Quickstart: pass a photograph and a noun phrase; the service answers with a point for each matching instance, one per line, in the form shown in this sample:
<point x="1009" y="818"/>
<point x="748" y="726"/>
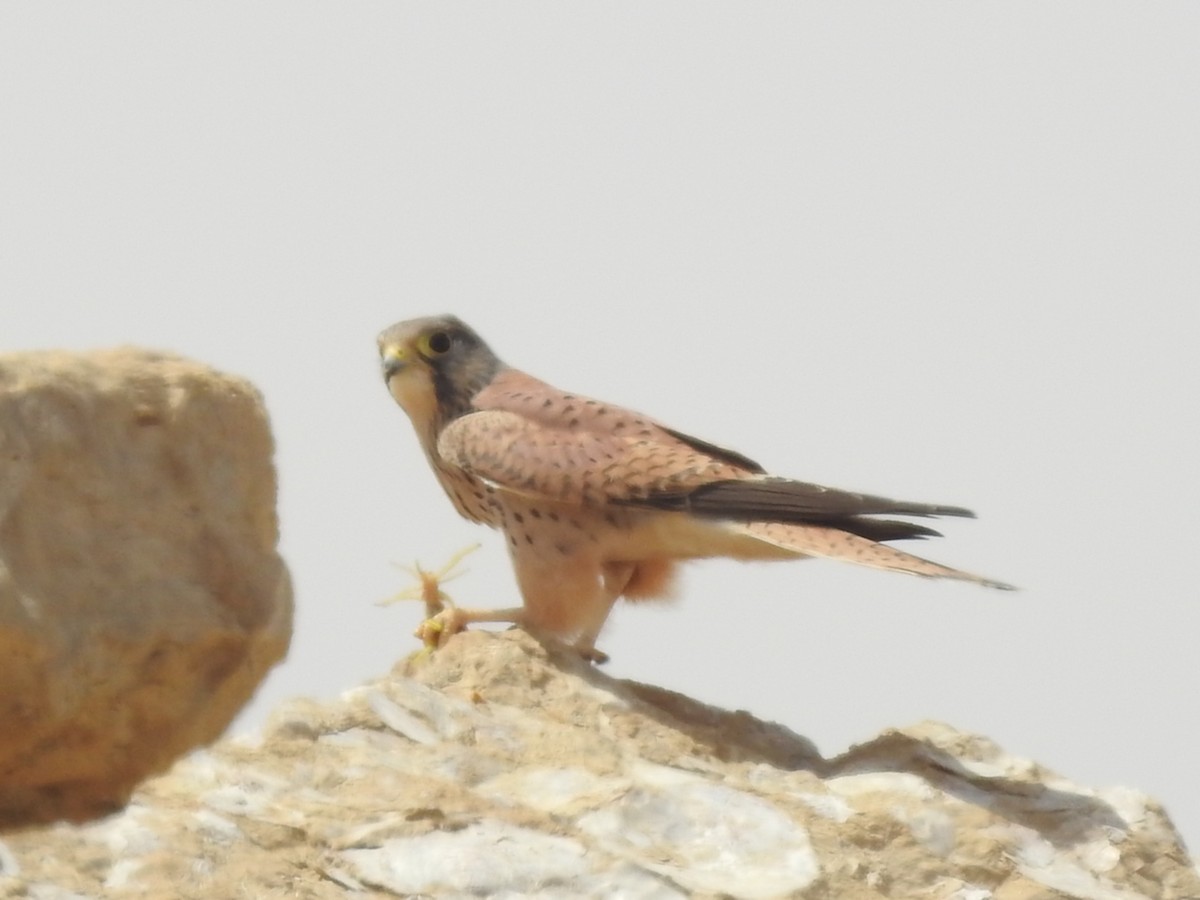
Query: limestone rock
<point x="498" y="767"/>
<point x="141" y="596"/>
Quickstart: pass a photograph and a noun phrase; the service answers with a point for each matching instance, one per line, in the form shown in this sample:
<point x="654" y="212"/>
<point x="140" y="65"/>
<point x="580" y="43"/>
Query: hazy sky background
<point x="945" y="252"/>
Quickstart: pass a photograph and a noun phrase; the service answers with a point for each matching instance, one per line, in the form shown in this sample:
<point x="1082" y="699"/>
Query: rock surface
<point x="141" y="596"/>
<point x="498" y="767"/>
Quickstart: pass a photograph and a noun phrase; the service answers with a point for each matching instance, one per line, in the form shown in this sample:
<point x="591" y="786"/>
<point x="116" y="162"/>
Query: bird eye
<point x="437" y="343"/>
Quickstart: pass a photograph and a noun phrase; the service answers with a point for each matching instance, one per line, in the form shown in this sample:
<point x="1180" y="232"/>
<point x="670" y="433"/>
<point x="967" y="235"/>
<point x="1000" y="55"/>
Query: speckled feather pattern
<point x="539" y="441"/>
<point x="596" y="501"/>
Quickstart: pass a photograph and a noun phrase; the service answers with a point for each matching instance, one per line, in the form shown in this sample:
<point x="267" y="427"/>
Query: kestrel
<point x="599" y="502"/>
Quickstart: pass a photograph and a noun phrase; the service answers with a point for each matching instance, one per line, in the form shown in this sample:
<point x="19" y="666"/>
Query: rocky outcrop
<point x="499" y="767"/>
<point x="141" y="596"/>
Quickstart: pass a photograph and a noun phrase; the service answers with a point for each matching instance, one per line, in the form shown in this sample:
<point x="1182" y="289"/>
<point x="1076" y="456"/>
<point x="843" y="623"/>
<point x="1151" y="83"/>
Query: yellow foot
<point x="429" y="585"/>
<point x="439" y="628"/>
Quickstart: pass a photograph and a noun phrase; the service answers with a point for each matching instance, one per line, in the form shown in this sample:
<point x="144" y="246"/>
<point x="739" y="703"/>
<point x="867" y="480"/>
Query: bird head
<point x="434" y="366"/>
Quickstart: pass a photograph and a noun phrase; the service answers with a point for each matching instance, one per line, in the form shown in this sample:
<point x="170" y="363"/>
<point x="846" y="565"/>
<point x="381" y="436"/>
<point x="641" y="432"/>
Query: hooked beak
<point x="392" y="359"/>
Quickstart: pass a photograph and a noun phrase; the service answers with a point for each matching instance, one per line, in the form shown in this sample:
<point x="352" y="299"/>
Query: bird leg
<point x="615" y="577"/>
<point x="435" y="631"/>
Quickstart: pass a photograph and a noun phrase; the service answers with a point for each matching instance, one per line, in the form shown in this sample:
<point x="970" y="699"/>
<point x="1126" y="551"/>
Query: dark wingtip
<point x="882" y="529"/>
<point x="919" y="531"/>
<point x="959" y="511"/>
<point x="911" y="529"/>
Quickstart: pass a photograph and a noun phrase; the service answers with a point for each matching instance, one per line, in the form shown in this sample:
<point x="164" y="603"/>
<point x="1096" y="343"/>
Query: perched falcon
<point x="599" y="502"/>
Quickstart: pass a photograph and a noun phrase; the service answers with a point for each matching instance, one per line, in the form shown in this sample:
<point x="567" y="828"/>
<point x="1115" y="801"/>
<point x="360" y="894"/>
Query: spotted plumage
<point x="599" y="502"/>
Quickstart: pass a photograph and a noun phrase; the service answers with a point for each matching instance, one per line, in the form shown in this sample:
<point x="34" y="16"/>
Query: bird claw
<point x="439" y="628"/>
<point x="444" y="619"/>
<point x="592" y="655"/>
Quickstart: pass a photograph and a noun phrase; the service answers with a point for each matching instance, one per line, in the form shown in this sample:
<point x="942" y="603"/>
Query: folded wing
<point x="648" y="466"/>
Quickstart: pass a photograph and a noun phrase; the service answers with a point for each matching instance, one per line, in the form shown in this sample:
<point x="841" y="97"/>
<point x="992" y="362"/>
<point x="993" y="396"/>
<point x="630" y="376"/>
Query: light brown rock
<point x="141" y="596"/>
<point x="499" y="767"/>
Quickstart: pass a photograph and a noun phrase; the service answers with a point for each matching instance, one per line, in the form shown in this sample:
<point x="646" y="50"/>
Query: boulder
<point x="142" y="599"/>
<point x="497" y="766"/>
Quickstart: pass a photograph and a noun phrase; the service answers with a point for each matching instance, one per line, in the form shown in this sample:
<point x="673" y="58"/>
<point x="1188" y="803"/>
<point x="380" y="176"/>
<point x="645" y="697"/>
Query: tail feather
<point x="833" y="543"/>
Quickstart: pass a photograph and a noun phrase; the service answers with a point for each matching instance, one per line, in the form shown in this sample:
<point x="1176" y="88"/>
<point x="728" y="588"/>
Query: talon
<point x="437" y="629"/>
<point x="594" y="656"/>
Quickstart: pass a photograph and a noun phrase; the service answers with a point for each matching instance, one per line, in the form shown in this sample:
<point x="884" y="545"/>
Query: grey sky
<point x="945" y="252"/>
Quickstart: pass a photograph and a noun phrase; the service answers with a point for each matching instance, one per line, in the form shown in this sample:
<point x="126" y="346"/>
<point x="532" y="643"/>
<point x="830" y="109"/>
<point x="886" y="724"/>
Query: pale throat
<point x="413" y="390"/>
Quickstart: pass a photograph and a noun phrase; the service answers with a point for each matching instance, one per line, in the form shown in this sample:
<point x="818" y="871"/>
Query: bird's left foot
<point x="443" y="617"/>
<point x="436" y="630"/>
<point x="439" y="628"/>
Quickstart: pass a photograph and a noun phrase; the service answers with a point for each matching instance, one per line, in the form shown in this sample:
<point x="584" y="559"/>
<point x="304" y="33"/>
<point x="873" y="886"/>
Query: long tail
<point x="833" y="543"/>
